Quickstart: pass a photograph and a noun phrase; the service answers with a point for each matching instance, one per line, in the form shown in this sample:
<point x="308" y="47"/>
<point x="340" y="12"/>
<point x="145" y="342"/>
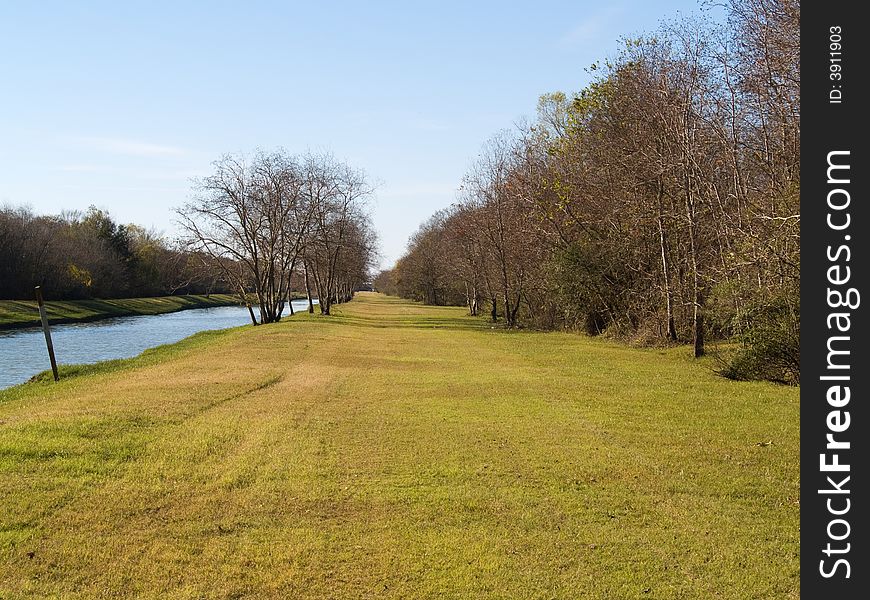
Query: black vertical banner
<point x="835" y="373"/>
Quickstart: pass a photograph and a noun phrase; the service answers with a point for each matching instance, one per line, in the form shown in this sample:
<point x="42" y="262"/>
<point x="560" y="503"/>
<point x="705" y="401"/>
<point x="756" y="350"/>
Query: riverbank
<point x="17" y="314"/>
<point x="396" y="450"/>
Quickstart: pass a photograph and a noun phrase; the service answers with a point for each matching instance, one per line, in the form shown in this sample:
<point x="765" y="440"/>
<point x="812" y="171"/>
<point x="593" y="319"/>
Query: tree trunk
<point x="699" y="326"/>
<point x="697" y="295"/>
<point x="666" y="269"/>
<point x="514" y="310"/>
<point x="308" y="292"/>
<point x="468" y="300"/>
<point x="475" y="301"/>
<point x="244" y="296"/>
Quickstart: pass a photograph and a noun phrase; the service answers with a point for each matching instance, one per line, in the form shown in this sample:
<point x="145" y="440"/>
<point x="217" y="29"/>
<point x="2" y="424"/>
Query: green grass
<point x="399" y="451"/>
<point x="24" y="313"/>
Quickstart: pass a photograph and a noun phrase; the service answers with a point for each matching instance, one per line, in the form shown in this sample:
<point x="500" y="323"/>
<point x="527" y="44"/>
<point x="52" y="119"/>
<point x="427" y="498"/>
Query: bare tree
<point x="241" y="216"/>
<point x="340" y="231"/>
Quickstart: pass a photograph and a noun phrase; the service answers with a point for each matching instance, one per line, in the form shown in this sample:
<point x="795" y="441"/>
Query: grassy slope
<point x="24" y="313"/>
<point x="400" y="451"/>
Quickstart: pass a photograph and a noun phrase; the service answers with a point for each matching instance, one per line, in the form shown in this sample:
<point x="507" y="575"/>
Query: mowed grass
<point x="25" y="313"/>
<point x="399" y="451"/>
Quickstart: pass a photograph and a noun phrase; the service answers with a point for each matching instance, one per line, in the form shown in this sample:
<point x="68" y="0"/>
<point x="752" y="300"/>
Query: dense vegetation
<point x="398" y="450"/>
<point x="89" y="255"/>
<point x="660" y="203"/>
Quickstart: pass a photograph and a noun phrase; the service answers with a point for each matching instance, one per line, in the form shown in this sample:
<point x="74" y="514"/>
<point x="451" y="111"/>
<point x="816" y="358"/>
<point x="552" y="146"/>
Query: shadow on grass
<point x="411" y="322"/>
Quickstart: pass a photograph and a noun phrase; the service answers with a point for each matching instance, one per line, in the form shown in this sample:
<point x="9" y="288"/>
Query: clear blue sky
<point x="119" y="104"/>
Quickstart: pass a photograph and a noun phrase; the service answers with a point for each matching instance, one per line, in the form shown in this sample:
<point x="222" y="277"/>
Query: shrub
<point x="770" y="343"/>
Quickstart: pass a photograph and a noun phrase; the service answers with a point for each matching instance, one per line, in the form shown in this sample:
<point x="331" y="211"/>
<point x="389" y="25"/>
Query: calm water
<point x="23" y="353"/>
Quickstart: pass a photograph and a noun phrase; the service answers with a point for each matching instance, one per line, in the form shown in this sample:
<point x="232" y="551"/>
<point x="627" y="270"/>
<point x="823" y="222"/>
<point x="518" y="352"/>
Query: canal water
<point x="23" y="353"/>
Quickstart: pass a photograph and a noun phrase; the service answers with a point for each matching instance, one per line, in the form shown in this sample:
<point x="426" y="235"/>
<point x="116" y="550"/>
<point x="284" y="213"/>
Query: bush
<point x="770" y="344"/>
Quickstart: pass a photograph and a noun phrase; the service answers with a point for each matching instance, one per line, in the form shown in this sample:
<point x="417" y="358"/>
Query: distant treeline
<point x="264" y="227"/>
<point x="660" y="203"/>
<point x="88" y="255"/>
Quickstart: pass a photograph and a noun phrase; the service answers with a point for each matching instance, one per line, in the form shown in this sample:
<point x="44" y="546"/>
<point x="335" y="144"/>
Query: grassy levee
<point x="399" y="451"/>
<point x="15" y="314"/>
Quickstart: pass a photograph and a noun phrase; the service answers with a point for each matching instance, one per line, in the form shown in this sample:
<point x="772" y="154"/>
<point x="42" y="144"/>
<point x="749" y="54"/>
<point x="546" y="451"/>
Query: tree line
<point x="78" y="255"/>
<point x="659" y="204"/>
<point x="261" y="228"/>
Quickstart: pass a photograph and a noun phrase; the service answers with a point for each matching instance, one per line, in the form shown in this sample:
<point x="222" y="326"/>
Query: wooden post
<point x="46" y="331"/>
